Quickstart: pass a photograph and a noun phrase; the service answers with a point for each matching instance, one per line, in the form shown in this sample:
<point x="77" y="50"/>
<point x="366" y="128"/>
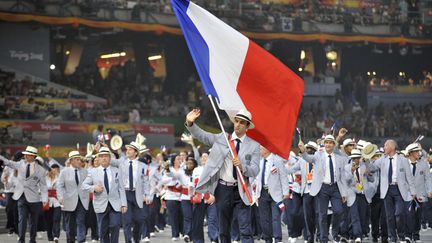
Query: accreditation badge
<point x="309" y="177"/>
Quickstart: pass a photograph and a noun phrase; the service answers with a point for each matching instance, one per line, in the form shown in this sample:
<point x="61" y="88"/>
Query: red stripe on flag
<point x="273" y="94"/>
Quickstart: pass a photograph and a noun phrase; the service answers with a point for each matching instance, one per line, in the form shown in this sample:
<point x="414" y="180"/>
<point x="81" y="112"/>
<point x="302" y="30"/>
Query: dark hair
<point x="193" y="160"/>
<point x="55" y="166"/>
<point x="172" y="158"/>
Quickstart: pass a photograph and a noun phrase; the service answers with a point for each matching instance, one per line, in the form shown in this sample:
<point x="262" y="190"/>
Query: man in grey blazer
<point x="423" y="186"/>
<point x="327" y="185"/>
<point x="136" y="184"/>
<point x="219" y="175"/>
<point x="30" y="191"/>
<point x="74" y="199"/>
<point x="397" y="188"/>
<point x="271" y="188"/>
<point x="109" y="199"/>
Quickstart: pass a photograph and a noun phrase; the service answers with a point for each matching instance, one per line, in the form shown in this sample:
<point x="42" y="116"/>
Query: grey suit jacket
<point x="277" y="183"/>
<point x="69" y="191"/>
<point x="405" y="179"/>
<point x="116" y="196"/>
<point x="34" y="187"/>
<point x="423" y="180"/>
<point x="142" y="185"/>
<point x="366" y="181"/>
<point x="300" y="165"/>
<point x="249" y="157"/>
<point x="319" y="159"/>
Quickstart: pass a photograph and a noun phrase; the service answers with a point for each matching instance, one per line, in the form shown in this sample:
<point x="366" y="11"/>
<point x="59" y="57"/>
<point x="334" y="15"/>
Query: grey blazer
<point x="142" y="185"/>
<point x="249" y="157"/>
<point x="34" y="187"/>
<point x="69" y="191"/>
<point x="277" y="183"/>
<point x="405" y="179"/>
<point x="300" y="165"/>
<point x="116" y="196"/>
<point x="423" y="180"/>
<point x="367" y="182"/>
<point x="319" y="159"/>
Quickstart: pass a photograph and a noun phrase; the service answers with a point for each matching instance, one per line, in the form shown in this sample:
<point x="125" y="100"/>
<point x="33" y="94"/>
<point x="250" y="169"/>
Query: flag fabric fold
<point x="242" y="75"/>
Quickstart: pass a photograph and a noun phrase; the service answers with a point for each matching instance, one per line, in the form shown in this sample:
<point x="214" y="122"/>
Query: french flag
<point x="242" y="75"/>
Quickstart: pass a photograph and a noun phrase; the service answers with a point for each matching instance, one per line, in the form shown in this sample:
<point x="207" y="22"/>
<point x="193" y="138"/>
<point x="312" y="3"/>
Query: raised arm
<point x="205" y="137"/>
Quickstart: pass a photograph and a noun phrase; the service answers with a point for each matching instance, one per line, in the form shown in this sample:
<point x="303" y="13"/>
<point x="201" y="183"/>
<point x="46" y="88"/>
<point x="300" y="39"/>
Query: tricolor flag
<point x="242" y="75"/>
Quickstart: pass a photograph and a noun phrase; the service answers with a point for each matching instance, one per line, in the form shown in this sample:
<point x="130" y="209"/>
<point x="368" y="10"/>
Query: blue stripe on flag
<point x="197" y="46"/>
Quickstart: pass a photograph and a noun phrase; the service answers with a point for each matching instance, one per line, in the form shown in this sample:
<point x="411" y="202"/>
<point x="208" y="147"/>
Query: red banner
<point x="37" y="126"/>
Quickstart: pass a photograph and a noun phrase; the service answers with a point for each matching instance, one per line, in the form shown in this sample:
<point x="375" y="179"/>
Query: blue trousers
<point x="310" y="216"/>
<point x="294" y="215"/>
<point x="52" y="219"/>
<point x="133" y="218"/>
<point x="75" y="223"/>
<point x="358" y="215"/>
<point x="329" y="193"/>
<point x="145" y="226"/>
<point x="174" y="215"/>
<point x="270" y="218"/>
<point x="413" y="223"/>
<point x="109" y="223"/>
<point x="186" y="207"/>
<point x="378" y="218"/>
<point x="395" y="212"/>
<point x="229" y="203"/>
<point x="24" y="209"/>
<point x="199" y="212"/>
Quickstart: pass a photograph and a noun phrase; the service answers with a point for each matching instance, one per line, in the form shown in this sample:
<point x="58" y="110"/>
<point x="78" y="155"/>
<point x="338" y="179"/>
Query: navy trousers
<point x="174" y="214"/>
<point x="24" y="209"/>
<point x="329" y="193"/>
<point x="52" y="219"/>
<point x="75" y="224"/>
<point x="109" y="223"/>
<point x="270" y="218"/>
<point x="133" y="218"/>
<point x="228" y="204"/>
<point x="199" y="212"/>
<point x="378" y="218"/>
<point x="294" y="215"/>
<point x="395" y="212"/>
<point x="414" y="223"/>
<point x="310" y="216"/>
<point x="186" y="207"/>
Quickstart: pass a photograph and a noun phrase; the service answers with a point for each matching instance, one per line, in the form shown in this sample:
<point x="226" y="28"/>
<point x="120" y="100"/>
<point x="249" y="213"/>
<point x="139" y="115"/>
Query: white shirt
<point x="394" y="166"/>
<point x="327" y="179"/>
<point x="226" y="171"/>
<point x="267" y="169"/>
<point x="134" y="174"/>
<point x="108" y="171"/>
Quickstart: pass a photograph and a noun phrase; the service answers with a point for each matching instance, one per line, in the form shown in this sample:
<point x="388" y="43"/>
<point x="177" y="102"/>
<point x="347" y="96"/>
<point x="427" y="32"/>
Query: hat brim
<point x="102" y="153"/>
<point x="143" y="151"/>
<point x="132" y="147"/>
<point x="251" y="125"/>
<point x="76" y="156"/>
<point x="372" y="154"/>
<point x="29" y="153"/>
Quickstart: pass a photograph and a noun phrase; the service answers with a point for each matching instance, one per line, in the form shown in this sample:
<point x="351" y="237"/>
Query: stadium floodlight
<point x="117" y="54"/>
<point x="155" y="57"/>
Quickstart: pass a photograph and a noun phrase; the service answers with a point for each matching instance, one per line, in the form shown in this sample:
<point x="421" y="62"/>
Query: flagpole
<point x="239" y="174"/>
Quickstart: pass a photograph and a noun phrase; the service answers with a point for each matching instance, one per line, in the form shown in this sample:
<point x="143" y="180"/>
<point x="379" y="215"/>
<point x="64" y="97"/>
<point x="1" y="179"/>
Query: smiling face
<point x="131" y="153"/>
<point x="329" y="146"/>
<point x="29" y="158"/>
<point x="240" y="126"/>
<point x="75" y="162"/>
<point x="104" y="160"/>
